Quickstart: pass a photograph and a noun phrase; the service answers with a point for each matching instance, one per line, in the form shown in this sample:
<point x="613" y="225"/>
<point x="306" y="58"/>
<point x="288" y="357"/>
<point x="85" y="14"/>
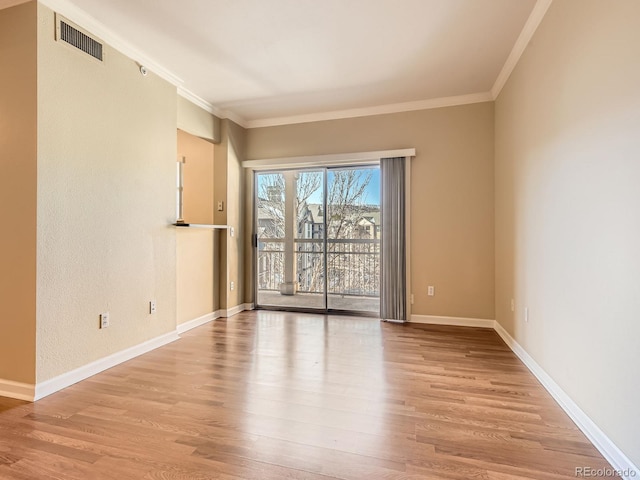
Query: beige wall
<point x="451" y="193"/>
<point x="106" y="198"/>
<point x="229" y="188"/>
<point x="197" y="121"/>
<point x="567" y="197"/>
<point x="235" y="213"/>
<point x="196" y="248"/>
<point x="197" y="178"/>
<point x="196" y="264"/>
<point x="18" y="119"/>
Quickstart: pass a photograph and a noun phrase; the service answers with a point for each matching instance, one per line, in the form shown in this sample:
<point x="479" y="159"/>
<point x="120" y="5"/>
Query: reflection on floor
<point x="270" y="395"/>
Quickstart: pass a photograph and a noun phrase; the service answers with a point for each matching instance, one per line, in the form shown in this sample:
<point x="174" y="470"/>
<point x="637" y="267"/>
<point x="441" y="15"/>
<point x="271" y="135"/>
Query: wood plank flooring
<point x="269" y="395"/>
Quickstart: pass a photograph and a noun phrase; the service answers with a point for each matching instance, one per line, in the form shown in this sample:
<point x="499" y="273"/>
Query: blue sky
<point x="372" y="195"/>
<point x="372" y="192"/>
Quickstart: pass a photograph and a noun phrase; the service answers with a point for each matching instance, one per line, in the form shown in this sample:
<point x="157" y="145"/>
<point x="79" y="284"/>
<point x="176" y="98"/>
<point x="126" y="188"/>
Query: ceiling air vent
<point x="70" y="34"/>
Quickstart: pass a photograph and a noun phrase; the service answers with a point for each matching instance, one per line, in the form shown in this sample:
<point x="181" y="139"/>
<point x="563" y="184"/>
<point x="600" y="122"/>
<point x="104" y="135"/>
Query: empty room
<point x="304" y="239"/>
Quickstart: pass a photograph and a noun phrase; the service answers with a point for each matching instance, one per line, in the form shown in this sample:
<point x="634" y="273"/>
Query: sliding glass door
<point x="318" y="239"/>
<point x="353" y="239"/>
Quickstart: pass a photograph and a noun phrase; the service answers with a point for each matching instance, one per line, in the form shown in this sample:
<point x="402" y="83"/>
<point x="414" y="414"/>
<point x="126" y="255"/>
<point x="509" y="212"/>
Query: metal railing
<point x="352" y="266"/>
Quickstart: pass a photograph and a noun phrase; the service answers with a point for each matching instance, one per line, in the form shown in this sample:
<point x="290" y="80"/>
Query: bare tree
<point x="346" y="207"/>
<point x="345" y="200"/>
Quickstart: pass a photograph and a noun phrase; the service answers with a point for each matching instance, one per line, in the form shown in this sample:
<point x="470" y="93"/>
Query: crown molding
<point x="376" y="110"/>
<point x="199" y="101"/>
<point x="212" y="109"/>
<point x="86" y="21"/>
<point x="531" y="25"/>
<point x="234" y="118"/>
<point x="89" y="23"/>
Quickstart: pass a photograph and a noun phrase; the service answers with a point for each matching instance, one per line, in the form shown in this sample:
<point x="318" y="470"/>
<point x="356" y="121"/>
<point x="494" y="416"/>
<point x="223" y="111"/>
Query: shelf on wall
<point x="201" y="225"/>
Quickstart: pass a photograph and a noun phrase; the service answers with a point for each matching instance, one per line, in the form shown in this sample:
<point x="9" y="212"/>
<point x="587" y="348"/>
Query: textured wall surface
<point x="567" y="196"/>
<point x="451" y="193"/>
<point x="18" y="110"/>
<point x="106" y="197"/>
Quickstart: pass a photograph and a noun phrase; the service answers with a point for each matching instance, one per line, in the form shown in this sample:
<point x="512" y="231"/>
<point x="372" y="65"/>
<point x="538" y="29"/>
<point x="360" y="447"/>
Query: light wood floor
<point x="267" y="395"/>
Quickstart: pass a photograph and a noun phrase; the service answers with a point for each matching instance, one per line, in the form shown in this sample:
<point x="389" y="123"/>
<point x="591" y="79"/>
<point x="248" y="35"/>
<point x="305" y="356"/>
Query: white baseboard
<point x="17" y="390"/>
<point x="454" y="321"/>
<point x="196" y="322"/>
<point x="74" y="376"/>
<point x="43" y="389"/>
<point x="618" y="460"/>
<point x="209" y="317"/>
<point x="237" y="309"/>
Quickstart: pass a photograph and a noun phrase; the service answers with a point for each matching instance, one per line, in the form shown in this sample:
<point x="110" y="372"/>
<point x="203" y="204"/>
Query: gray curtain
<point x="393" y="278"/>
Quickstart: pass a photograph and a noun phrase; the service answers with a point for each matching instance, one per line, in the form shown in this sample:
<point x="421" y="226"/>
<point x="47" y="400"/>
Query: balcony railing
<point x="352" y="266"/>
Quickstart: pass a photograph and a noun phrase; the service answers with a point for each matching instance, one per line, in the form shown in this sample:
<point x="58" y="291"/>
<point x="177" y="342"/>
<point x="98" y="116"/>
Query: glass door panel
<point x="309" y="238"/>
<point x="270" y="230"/>
<point x="353" y="239"/>
<point x="290" y="239"/>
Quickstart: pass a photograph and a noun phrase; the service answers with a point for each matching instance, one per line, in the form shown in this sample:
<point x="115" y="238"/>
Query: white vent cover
<point x="71" y="34"/>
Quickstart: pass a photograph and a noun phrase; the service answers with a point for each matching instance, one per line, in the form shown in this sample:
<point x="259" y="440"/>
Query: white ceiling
<point x="261" y="60"/>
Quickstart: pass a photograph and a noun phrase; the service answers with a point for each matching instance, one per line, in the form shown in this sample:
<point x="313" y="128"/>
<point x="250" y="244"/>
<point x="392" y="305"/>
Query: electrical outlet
<point x="104" y="320"/>
<point x="513" y="305"/>
<point x="152" y="307"/>
<point x="232" y="286"/>
<point x="431" y="290"/>
<point x="412" y="299"/>
<point x="232" y="232"/>
<point x="526" y="314"/>
<point x="220" y="206"/>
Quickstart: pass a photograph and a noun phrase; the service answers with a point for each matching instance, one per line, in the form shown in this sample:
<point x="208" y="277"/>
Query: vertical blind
<point x="393" y="281"/>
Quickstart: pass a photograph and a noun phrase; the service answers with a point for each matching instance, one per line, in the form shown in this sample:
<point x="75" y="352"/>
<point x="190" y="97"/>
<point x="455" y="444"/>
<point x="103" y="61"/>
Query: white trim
<point x="89" y="23"/>
<point x="55" y="384"/>
<point x="618" y="460"/>
<point x="332" y="159"/>
<point x="209" y="317"/>
<point x="31" y="393"/>
<point x="97" y="28"/>
<point x="375" y="110"/>
<point x="198" y="101"/>
<point x="530" y="27"/>
<point x="453" y="321"/>
<point x="196" y="322"/>
<point x="17" y="390"/>
<point x="208" y="107"/>
<point x="235" y="310"/>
